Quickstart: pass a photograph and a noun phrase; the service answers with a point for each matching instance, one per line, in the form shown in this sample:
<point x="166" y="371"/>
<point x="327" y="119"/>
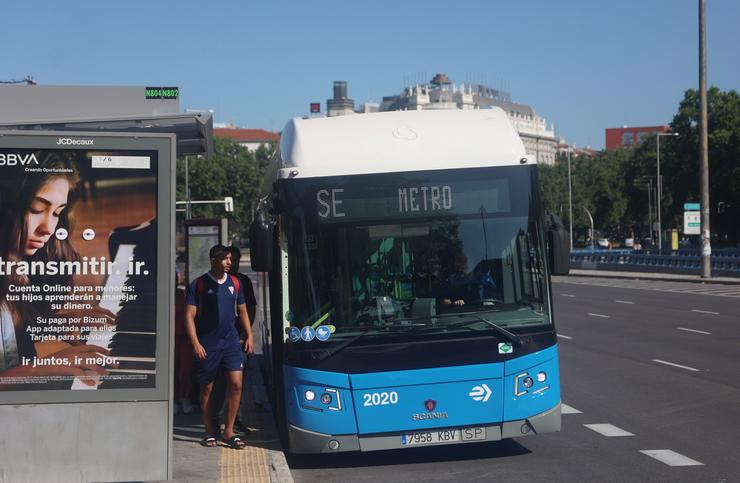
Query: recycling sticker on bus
<point x="505" y="348"/>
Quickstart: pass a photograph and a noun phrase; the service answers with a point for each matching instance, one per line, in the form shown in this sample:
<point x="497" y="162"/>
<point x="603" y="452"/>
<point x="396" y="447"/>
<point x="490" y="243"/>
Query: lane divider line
<point x="694" y="330"/>
<point x="599" y="315"/>
<point x="671" y="458"/>
<point x="705" y="312"/>
<point x="565" y="336"/>
<point x="568" y="295"/>
<point x="624" y="302"/>
<point x="676" y="365"/>
<point x="565" y="409"/>
<point x="608" y="430"/>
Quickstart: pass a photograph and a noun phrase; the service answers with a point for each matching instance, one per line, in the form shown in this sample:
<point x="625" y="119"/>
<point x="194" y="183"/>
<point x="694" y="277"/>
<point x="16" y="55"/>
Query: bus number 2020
<point x="380" y="398"/>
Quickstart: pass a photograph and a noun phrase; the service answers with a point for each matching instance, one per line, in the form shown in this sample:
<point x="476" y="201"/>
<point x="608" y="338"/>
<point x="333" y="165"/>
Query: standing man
<point x="255" y="379"/>
<point x="212" y="301"/>
<point x="219" y="387"/>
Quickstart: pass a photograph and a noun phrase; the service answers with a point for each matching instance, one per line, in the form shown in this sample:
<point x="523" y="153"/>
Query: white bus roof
<point x="397" y="141"/>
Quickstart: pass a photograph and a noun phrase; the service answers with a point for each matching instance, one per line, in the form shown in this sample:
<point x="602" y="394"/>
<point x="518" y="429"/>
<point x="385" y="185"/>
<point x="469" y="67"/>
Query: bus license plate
<point x="422" y="438"/>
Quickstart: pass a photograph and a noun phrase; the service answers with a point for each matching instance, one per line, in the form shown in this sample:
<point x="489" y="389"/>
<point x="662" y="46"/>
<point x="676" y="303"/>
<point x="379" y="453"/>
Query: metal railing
<point x="725" y="261"/>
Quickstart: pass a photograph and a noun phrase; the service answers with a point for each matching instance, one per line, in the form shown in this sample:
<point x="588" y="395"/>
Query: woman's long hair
<point x="16" y="196"/>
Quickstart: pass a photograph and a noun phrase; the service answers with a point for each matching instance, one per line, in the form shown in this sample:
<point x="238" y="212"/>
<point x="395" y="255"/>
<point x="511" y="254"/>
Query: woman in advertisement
<point x="35" y="204"/>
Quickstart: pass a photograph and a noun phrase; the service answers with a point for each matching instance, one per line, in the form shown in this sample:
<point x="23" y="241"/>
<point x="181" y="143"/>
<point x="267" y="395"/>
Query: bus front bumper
<point x="305" y="441"/>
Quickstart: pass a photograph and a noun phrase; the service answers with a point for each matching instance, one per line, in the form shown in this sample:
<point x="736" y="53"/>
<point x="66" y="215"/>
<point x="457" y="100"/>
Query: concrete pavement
<point x="262" y="461"/>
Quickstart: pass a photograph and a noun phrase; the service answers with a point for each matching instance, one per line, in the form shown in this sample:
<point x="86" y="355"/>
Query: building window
<point x="628" y="138"/>
<point x="642" y="135"/>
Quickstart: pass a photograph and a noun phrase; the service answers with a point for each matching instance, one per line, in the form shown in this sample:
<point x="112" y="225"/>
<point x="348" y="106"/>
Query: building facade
<point x="539" y="139"/>
<point x="627" y="137"/>
<point x="251" y="139"/>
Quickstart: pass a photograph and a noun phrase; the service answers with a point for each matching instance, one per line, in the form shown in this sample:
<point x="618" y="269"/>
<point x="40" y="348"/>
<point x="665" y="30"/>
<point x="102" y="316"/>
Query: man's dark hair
<point x="218" y="252"/>
<point x="235" y="253"/>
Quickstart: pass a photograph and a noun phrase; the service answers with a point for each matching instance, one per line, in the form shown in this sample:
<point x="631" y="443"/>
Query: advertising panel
<point x="79" y="265"/>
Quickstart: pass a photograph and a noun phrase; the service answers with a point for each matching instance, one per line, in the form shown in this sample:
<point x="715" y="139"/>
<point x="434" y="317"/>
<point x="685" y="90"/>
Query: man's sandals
<point x="235" y="442"/>
<point x="209" y="441"/>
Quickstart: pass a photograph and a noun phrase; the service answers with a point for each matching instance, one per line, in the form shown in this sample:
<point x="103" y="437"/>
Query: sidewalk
<point x="653" y="276"/>
<point x="262" y="461"/>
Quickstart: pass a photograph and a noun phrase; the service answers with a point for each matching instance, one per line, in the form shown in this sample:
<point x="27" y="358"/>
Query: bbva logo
<point x="12" y="159"/>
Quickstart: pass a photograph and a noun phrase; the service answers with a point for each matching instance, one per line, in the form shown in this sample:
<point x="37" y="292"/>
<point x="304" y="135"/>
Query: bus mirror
<point x="261" y="244"/>
<point x="558" y="244"/>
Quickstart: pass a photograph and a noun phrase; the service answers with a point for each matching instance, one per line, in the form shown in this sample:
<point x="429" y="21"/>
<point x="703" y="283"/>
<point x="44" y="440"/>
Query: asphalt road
<point x="651" y="383"/>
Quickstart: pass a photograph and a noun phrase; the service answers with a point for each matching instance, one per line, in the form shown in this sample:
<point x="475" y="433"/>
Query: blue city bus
<point x="409" y="261"/>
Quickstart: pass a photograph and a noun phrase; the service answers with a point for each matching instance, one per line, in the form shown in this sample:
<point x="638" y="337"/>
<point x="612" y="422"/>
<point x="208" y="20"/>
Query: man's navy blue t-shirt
<point x="214" y="322"/>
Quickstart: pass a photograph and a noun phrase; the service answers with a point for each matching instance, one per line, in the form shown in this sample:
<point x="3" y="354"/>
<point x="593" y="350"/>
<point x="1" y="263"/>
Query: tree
<point x="613" y="185"/>
<point x="682" y="163"/>
<point x="231" y="171"/>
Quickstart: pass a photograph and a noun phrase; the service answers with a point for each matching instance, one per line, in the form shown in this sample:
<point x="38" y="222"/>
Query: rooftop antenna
<point x="28" y="80"/>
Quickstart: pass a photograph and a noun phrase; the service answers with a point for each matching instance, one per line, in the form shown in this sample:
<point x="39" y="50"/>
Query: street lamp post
<point x="660" y="186"/>
<point x="591" y="219"/>
<point x="570" y="203"/>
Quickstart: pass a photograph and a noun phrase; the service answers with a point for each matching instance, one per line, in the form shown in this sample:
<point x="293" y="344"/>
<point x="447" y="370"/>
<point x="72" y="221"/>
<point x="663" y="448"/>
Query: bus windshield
<point x="418" y="254"/>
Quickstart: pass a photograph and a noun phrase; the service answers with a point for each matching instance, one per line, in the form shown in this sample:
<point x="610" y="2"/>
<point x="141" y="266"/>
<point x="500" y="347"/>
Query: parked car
<point x="603" y="243"/>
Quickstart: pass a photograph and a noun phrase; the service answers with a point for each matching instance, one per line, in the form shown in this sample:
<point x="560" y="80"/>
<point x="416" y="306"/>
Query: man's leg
<point x="217" y="400"/>
<point x="205" y="372"/>
<point x="233" y="397"/>
<point x="205" y="407"/>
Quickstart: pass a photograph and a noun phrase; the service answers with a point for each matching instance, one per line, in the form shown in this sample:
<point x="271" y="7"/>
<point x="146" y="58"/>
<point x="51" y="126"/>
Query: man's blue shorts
<point x="229" y="358"/>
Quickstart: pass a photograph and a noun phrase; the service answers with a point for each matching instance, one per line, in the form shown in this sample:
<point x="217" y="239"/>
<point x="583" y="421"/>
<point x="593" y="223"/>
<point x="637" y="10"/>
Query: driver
<point x="478" y="287"/>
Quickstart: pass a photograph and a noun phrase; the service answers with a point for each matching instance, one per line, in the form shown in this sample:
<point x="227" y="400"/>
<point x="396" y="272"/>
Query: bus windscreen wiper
<point x="341" y="346"/>
<point x="512" y="337"/>
<point x="393" y="327"/>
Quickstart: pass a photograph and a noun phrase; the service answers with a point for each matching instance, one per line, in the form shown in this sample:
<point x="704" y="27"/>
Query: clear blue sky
<point x="584" y="64"/>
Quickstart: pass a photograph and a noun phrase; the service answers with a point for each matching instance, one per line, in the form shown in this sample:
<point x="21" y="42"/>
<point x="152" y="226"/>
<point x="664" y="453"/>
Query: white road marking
<point x="694" y="330"/>
<point x="598" y="315"/>
<point x="676" y="365"/>
<point x="671" y="458"/>
<point x="704" y="312"/>
<point x="608" y="430"/>
<point x="624" y="302"/>
<point x="568" y="295"/>
<point x="565" y="409"/>
<point x="565" y="336"/>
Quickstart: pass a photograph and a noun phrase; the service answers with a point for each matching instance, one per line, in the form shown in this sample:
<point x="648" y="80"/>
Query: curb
<point x="278" y="468"/>
<point x="668" y="277"/>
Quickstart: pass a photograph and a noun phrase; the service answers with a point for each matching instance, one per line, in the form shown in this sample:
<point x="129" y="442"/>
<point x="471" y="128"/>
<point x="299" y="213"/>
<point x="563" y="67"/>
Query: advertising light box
<point x="85" y="267"/>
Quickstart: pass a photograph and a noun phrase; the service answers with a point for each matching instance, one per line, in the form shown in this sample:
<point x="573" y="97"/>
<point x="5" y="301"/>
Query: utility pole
<point x="650" y="208"/>
<point x="570" y="204"/>
<point x="706" y="245"/>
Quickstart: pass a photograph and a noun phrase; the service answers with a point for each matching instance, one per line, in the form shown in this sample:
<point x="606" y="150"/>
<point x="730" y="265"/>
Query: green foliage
<point x="613" y="185"/>
<point x="231" y="171"/>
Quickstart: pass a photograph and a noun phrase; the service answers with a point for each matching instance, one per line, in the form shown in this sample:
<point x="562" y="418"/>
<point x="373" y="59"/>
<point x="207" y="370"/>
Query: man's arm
<point x="198" y="350"/>
<point x="249" y="298"/>
<point x="252" y="312"/>
<point x="244" y="319"/>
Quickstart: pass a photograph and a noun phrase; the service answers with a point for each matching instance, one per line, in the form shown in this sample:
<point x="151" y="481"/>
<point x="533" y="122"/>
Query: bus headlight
<point x="326" y="398"/>
<point x="541" y="376"/>
<point x="527" y="382"/>
<point x="309" y="395"/>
